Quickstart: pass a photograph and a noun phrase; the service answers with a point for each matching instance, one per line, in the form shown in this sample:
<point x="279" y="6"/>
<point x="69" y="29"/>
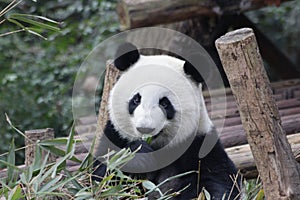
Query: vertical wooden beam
<point x="32" y="137"/>
<point x="278" y="169"/>
<point x="111" y="76"/>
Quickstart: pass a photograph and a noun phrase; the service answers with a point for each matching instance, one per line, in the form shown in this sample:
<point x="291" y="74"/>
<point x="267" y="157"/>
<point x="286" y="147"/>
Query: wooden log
<point x="244" y="161"/>
<point x="140" y="13"/>
<point x="279" y="171"/>
<point x="282" y="104"/>
<point x="32" y="137"/>
<point x="280" y="86"/>
<point x="235" y="135"/>
<point x="111" y="76"/>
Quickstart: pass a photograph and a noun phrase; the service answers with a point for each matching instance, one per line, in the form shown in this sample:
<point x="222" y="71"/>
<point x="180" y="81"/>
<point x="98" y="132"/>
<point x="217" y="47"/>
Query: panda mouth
<point x="145" y="137"/>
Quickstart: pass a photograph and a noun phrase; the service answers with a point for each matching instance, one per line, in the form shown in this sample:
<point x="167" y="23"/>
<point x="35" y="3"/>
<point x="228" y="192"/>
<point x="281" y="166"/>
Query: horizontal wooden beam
<point x="244" y="161"/>
<point x="141" y="13"/>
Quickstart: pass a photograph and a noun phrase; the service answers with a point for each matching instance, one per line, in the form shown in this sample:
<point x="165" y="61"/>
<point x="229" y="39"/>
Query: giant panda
<point x="161" y="96"/>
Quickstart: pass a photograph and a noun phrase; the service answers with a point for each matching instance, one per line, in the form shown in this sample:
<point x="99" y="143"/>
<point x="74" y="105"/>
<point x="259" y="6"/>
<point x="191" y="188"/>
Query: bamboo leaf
<point x="88" y="159"/>
<point x="57" y="142"/>
<point x="23" y="18"/>
<point x="151" y="186"/>
<point x="35" y="33"/>
<point x="207" y="195"/>
<point x="15" y="193"/>
<point x="52" y="183"/>
<point x="70" y="142"/>
<point x="260" y="195"/>
<point x="59" y="152"/>
<point x="74" y="181"/>
<point x="37" y="156"/>
<point x="16" y="23"/>
<point x="169" y="179"/>
<point x="11" y="161"/>
<point x="37" y="17"/>
<point x="61" y="184"/>
<point x="11" y="125"/>
<point x="10" y="165"/>
<point x="54" y="142"/>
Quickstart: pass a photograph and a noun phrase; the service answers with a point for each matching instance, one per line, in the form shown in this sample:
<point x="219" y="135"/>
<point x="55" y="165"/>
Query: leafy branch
<point x="33" y="24"/>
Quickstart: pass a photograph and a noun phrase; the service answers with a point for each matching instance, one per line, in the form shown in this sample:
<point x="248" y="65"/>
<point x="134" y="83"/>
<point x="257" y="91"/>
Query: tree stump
<point x="32" y="137"/>
<point x="277" y="167"/>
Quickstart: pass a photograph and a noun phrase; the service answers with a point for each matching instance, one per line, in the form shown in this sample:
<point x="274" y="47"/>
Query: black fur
<point x="127" y="54"/>
<point x="114" y="137"/>
<point x="215" y="168"/>
<point x="134" y="103"/>
<point x="167" y="107"/>
<point x="191" y="70"/>
<point x="215" y="171"/>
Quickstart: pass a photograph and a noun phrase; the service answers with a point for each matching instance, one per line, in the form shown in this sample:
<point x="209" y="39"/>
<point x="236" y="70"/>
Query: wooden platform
<point x="287" y="95"/>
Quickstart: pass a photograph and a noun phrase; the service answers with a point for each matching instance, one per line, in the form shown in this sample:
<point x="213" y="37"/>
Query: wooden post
<point x="111" y="76"/>
<point x="277" y="167"/>
<point x="32" y="137"/>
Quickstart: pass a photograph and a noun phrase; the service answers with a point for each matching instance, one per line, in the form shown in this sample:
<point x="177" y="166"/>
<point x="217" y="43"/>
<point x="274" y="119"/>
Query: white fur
<point x="155" y="77"/>
<point x="149" y="114"/>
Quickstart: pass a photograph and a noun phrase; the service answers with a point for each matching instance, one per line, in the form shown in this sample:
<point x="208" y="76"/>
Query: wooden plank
<point x="235" y="135"/>
<point x="141" y="13"/>
<point x="278" y="87"/>
<point x="244" y="161"/>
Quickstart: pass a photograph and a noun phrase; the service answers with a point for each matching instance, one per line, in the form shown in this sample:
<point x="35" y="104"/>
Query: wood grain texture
<point x="32" y="137"/>
<point x="142" y="13"/>
<point x="278" y="169"/>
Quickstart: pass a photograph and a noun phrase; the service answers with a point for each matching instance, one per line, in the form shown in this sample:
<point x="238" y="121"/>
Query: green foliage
<point x="253" y="190"/>
<point x="41" y="180"/>
<point x="37" y="75"/>
<point x="22" y="20"/>
<point x="282" y="25"/>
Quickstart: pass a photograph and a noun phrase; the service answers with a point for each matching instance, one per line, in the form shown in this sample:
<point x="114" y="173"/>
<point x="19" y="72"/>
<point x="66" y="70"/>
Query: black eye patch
<point x="167" y="107"/>
<point x="134" y="103"/>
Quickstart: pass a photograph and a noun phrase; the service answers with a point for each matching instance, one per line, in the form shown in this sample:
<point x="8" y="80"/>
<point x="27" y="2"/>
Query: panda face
<point x="158" y="96"/>
<point x="155" y="97"/>
<point x="151" y="109"/>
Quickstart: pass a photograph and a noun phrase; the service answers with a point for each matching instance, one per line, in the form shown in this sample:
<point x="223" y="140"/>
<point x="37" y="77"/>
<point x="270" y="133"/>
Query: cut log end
<point x="235" y="36"/>
<point x="32" y="137"/>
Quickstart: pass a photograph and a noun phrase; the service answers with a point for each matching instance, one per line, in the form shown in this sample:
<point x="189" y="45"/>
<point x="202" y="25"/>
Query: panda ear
<point x="191" y="70"/>
<point x="126" y="55"/>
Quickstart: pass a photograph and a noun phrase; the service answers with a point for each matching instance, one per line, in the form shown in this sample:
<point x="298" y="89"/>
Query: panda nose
<point x="145" y="130"/>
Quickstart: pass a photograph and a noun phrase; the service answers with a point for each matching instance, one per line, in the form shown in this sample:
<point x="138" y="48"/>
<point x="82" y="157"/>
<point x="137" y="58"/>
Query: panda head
<point x="158" y="96"/>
